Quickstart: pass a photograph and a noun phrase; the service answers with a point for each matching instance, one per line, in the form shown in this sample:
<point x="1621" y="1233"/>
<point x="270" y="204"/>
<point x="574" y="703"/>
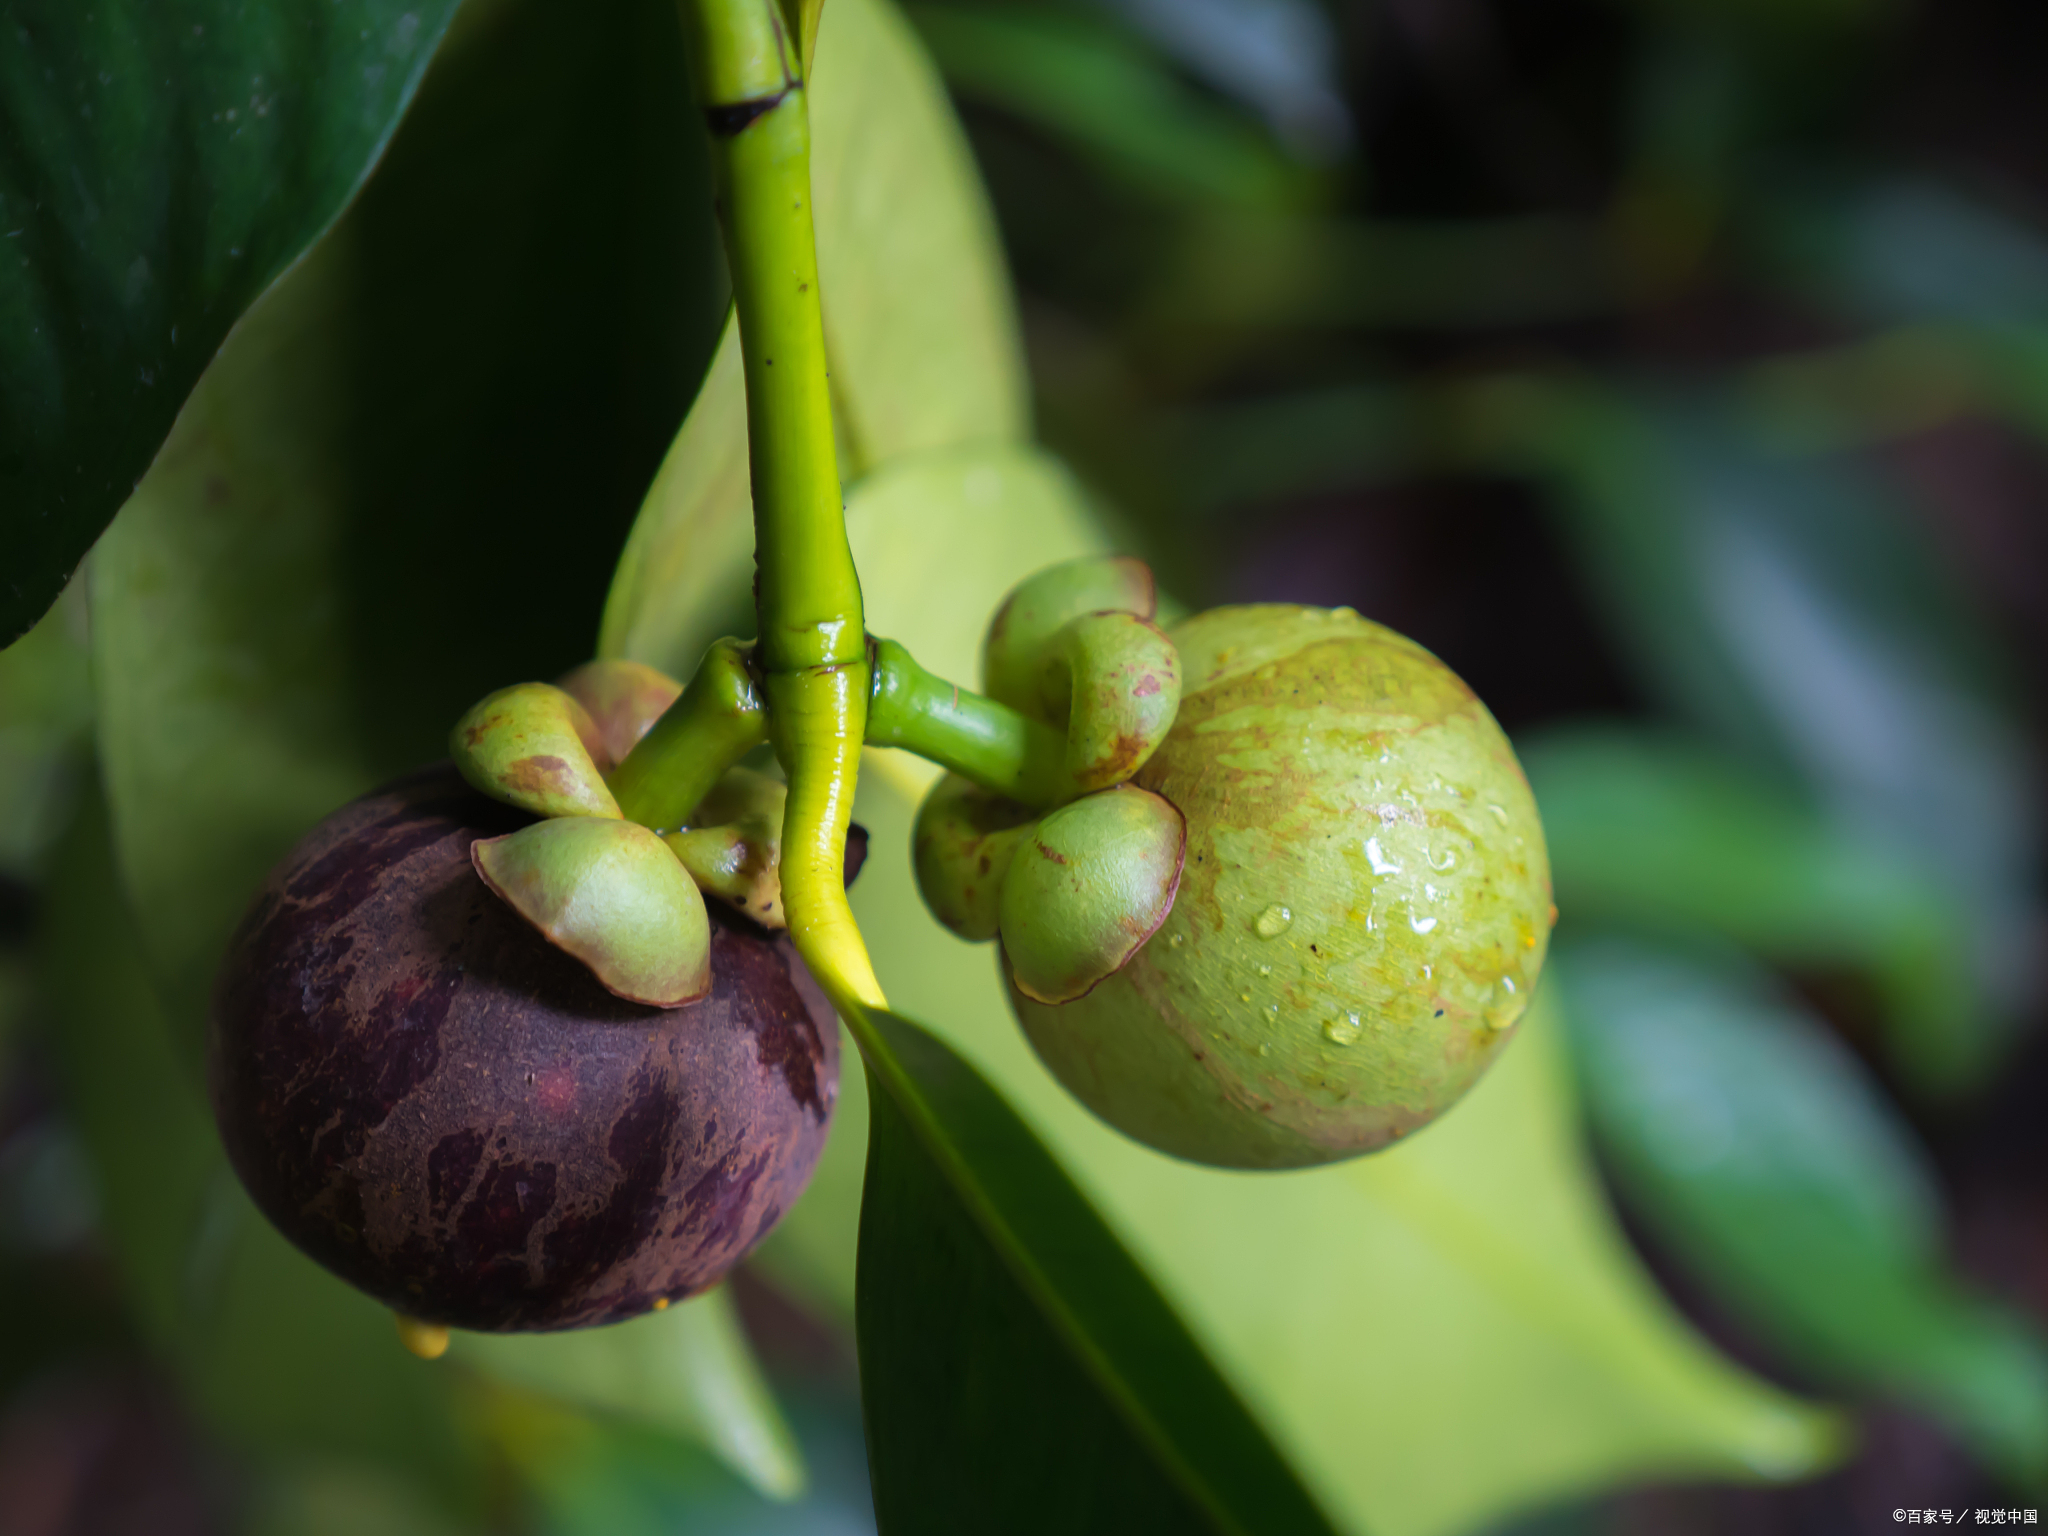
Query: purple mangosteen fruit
<point x="454" y="1116"/>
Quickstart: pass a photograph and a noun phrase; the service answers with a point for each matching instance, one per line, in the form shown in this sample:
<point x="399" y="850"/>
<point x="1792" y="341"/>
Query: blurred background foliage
<point x="1675" y="369"/>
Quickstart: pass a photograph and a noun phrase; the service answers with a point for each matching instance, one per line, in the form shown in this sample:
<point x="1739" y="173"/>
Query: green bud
<point x="1361" y="917"/>
<point x="1087" y="887"/>
<point x="532" y="745"/>
<point x="623" y="698"/>
<point x="611" y="894"/>
<point x="1020" y="637"/>
<point x="735" y="851"/>
<point x="965" y="839"/>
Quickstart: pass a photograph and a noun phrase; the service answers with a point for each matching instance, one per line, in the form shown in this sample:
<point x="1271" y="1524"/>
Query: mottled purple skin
<point x="453" y="1116"/>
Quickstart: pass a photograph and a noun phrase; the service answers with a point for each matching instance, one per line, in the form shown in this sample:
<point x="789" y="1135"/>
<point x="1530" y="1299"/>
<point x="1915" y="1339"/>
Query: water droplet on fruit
<point x="1176" y="941"/>
<point x="1265" y="1049"/>
<point x="1422" y="924"/>
<point x="1265" y="970"/>
<point x="1343" y="1031"/>
<point x="1244" y="997"/>
<point x="1381" y="864"/>
<point x="1272" y="922"/>
<point x="1504" y="1007"/>
<point x="1272" y="1017"/>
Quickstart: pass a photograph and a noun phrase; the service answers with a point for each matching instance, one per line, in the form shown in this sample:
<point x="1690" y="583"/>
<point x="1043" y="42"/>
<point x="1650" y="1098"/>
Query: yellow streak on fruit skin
<point x="427" y="1340"/>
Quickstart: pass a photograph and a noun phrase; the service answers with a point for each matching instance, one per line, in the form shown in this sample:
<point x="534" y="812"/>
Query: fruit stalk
<point x="983" y="741"/>
<point x="812" y="649"/>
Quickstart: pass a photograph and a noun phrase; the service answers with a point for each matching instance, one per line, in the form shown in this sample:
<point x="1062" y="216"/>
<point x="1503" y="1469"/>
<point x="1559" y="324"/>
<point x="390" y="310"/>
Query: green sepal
<point x="1024" y="630"/>
<point x="624" y="699"/>
<point x="1120" y="678"/>
<point x="1090" y="884"/>
<point x="736" y="852"/>
<point x="532" y="745"/>
<point x="611" y="894"/>
<point x="965" y="839"/>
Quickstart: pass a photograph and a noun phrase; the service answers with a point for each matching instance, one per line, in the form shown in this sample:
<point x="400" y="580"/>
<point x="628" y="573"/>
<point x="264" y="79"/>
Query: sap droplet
<point x="1244" y="997"/>
<point x="1272" y="922"/>
<point x="1343" y="1031"/>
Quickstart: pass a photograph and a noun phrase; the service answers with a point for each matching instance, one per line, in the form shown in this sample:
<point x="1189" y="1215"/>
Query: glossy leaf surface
<point x="160" y="165"/>
<point x="1760" y="1149"/>
<point x="1019" y="1371"/>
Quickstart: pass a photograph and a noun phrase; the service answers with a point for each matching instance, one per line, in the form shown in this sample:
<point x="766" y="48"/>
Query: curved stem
<point x="987" y="743"/>
<point x="812" y="651"/>
<point x="719" y="719"/>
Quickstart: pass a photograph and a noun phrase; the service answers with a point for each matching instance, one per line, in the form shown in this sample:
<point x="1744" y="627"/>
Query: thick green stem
<point x="987" y="743"/>
<point x="719" y="719"/>
<point x="812" y="651"/>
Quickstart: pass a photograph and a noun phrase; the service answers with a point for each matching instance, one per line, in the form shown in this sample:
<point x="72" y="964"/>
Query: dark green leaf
<point x="161" y="162"/>
<point x="1758" y="1147"/>
<point x="1019" y="1370"/>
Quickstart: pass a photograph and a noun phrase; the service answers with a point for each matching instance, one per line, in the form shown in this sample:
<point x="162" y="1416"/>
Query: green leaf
<point x="1431" y="1336"/>
<point x="45" y="726"/>
<point x="682" y="577"/>
<point x="686" y="1371"/>
<point x="358" y="526"/>
<point x="1759" y="1148"/>
<point x="918" y="326"/>
<point x="1019" y="1372"/>
<point x="161" y="163"/>
<point x="1113" y="101"/>
<point x="919" y="322"/>
<point x="1656" y="831"/>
